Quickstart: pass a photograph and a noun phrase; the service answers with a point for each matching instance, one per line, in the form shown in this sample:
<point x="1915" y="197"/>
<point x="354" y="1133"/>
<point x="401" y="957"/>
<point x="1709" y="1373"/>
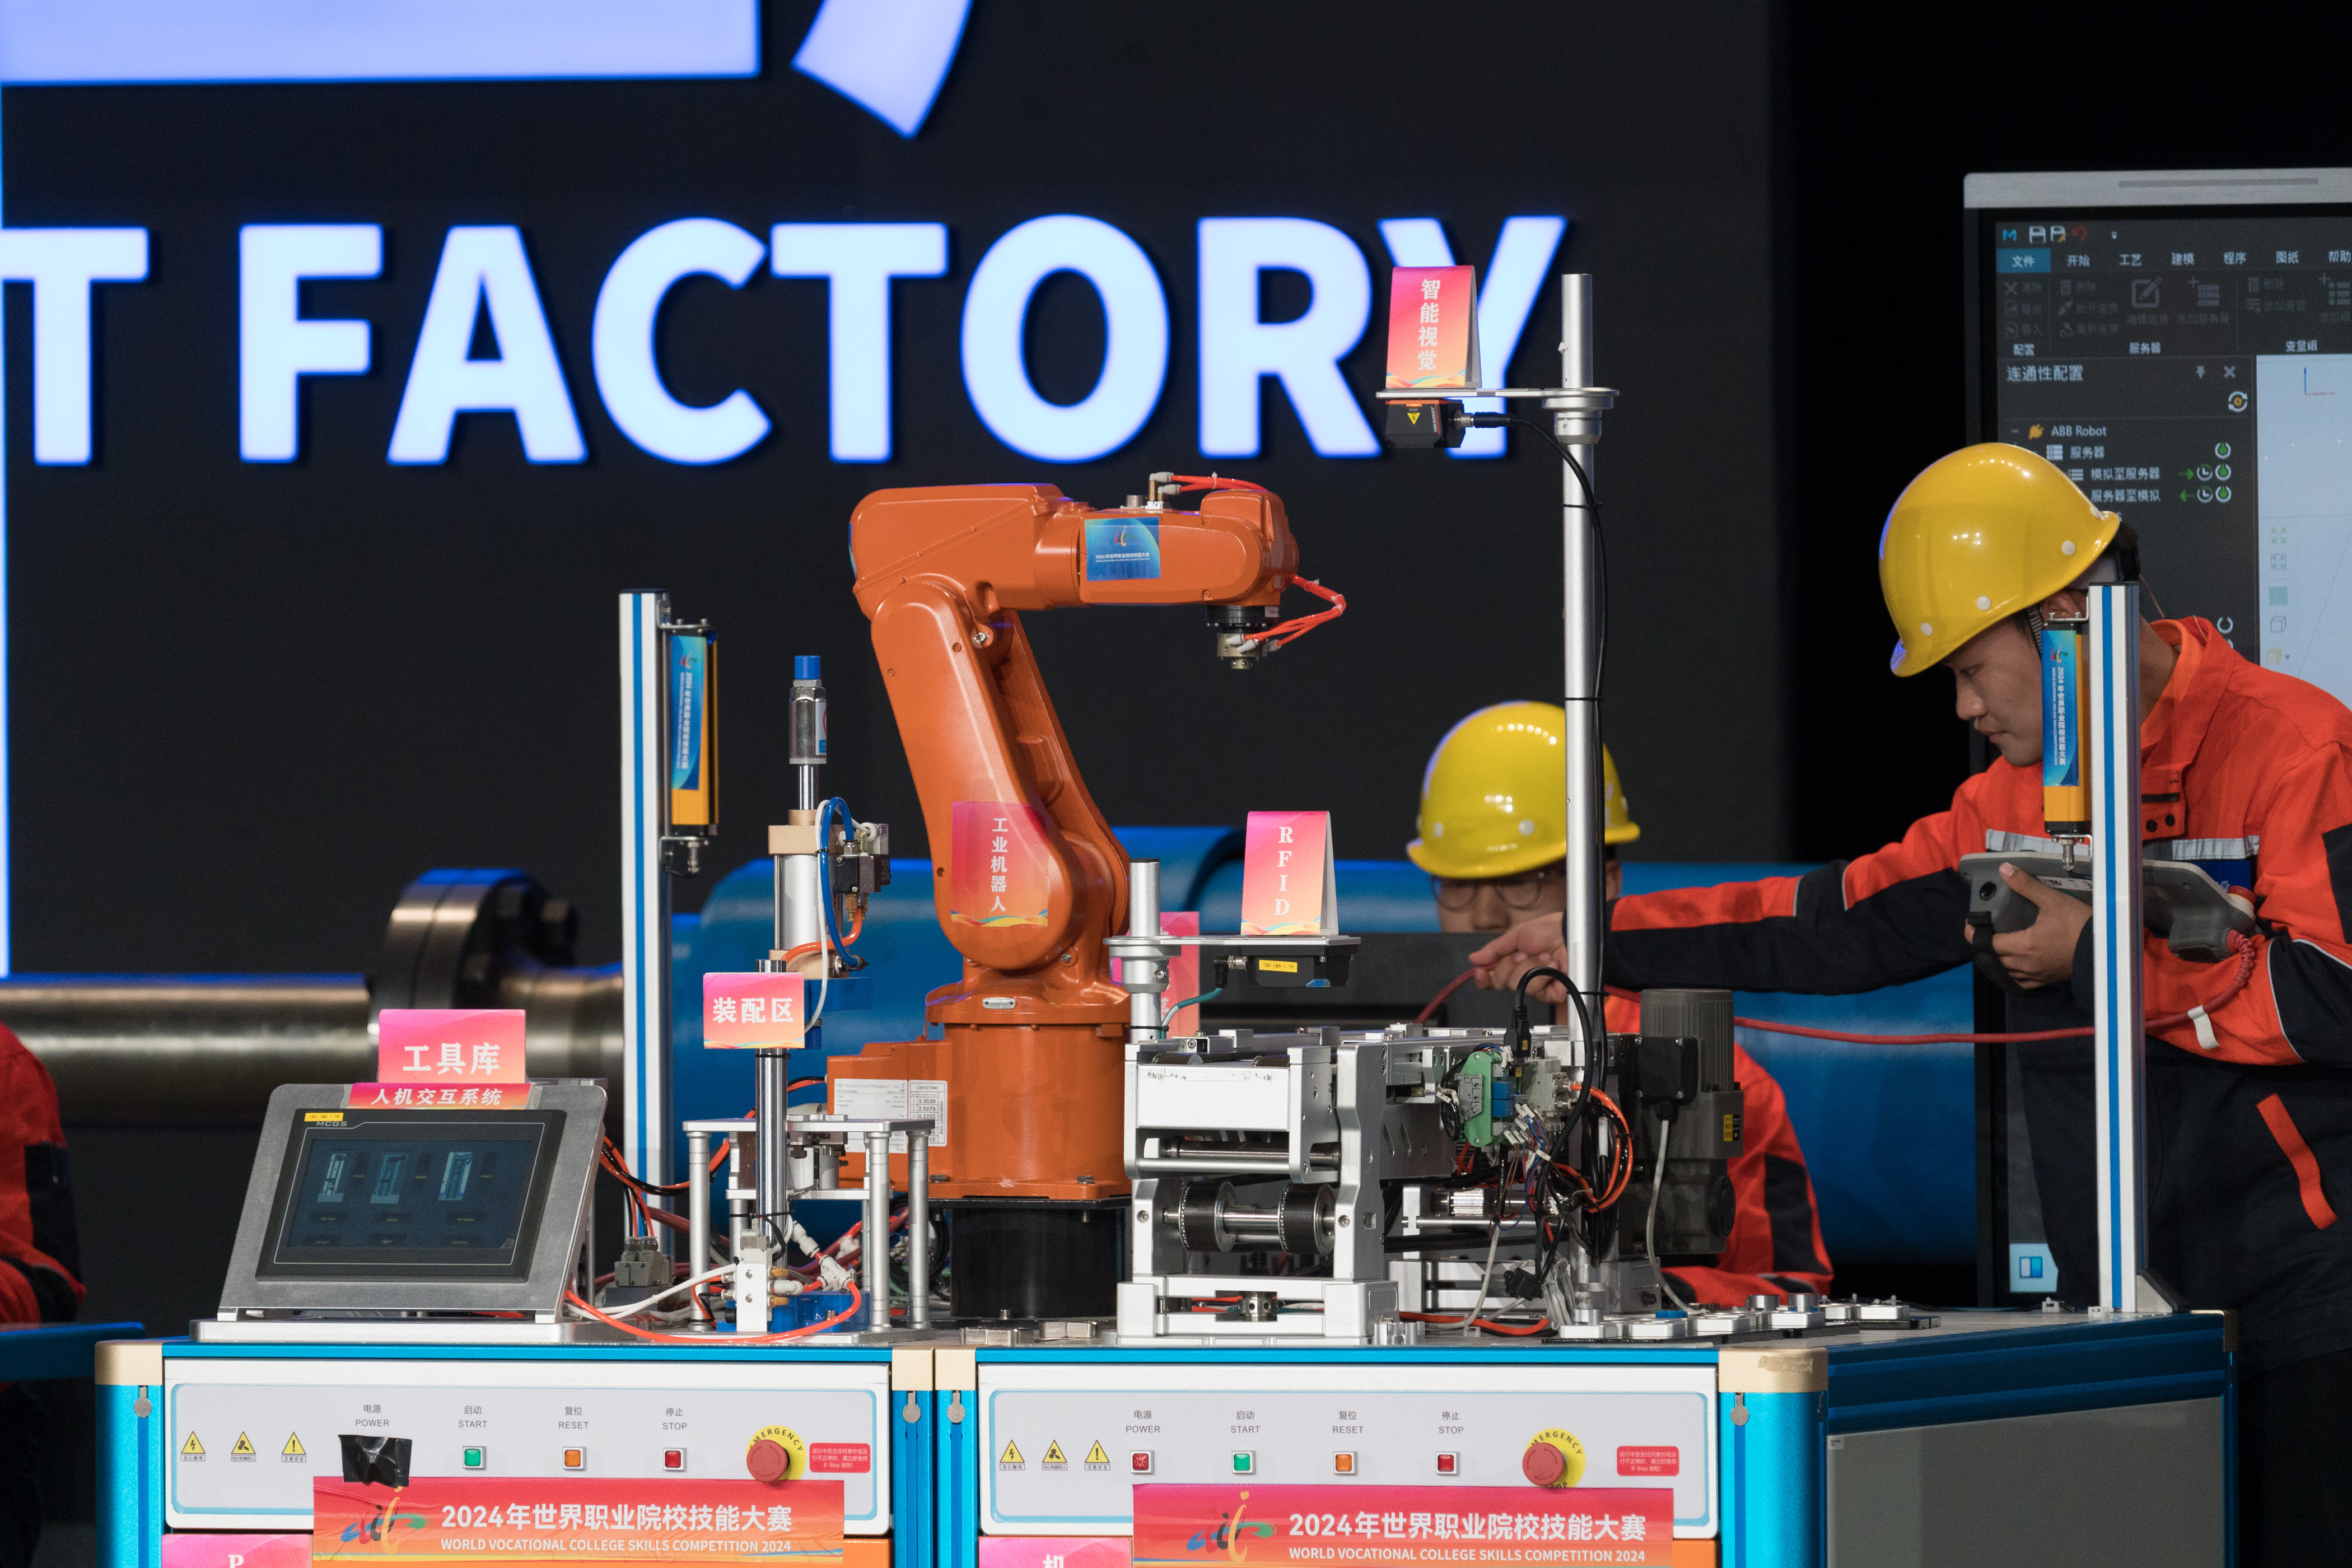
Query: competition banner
<point x="998" y="867"/>
<point x="1341" y="1526"/>
<point x="486" y="1520"/>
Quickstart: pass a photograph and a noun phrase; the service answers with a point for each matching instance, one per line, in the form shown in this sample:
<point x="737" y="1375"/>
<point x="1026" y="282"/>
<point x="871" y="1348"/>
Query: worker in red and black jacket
<point x="39" y="1261"/>
<point x="2244" y="771"/>
<point x="1494" y="839"/>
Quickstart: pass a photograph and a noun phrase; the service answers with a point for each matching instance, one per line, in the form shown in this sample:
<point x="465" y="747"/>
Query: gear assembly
<point x="1430" y="1255"/>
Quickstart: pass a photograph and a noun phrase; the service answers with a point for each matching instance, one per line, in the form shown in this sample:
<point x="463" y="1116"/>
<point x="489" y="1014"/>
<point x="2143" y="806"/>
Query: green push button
<point x="1245" y="1462"/>
<point x="475" y="1458"/>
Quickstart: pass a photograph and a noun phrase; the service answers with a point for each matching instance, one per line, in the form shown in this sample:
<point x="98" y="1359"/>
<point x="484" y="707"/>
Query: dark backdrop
<point x="249" y="701"/>
<point x="1884" y="120"/>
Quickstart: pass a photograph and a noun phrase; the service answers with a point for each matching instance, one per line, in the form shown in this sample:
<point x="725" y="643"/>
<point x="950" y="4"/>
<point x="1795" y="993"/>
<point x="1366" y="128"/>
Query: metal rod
<point x="919" y="1230"/>
<point x="773" y="1171"/>
<point x="877" y="1231"/>
<point x="645" y="892"/>
<point x="1584" y="926"/>
<point x="2119" y="1080"/>
<point x="1143" y="977"/>
<point x="741" y="1152"/>
<point x="698" y="1209"/>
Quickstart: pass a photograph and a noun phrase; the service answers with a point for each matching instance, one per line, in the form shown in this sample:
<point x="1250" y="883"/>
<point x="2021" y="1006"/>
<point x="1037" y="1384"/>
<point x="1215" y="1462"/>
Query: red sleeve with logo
<point x="1897" y="915"/>
<point x="2297" y="1005"/>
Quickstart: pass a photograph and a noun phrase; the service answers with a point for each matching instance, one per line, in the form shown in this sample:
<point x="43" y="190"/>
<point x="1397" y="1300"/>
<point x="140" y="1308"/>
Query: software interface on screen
<point x="2192" y="371"/>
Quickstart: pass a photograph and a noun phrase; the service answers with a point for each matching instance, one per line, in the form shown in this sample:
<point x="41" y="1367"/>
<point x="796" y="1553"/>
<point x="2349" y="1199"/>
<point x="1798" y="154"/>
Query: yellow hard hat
<point x="1977" y="537"/>
<point x="1494" y="801"/>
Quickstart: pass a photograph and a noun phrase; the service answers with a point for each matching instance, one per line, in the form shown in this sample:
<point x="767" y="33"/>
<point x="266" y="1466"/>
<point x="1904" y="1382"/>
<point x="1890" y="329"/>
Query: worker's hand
<point x="1535" y="943"/>
<point x="2043" y="952"/>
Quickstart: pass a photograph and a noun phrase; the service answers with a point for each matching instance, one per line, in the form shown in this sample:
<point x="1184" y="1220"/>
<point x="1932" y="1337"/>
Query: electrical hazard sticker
<point x="192" y="1448"/>
<point x="1011" y="1455"/>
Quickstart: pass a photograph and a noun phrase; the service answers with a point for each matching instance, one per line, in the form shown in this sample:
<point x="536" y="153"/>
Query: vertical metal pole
<point x="1143" y="1016"/>
<point x="877" y="1230"/>
<point x="919" y="1230"/>
<point x="772" y="1172"/>
<point x="1586" y="930"/>
<point x="2119" y="1082"/>
<point x="698" y="1213"/>
<point x="645" y="894"/>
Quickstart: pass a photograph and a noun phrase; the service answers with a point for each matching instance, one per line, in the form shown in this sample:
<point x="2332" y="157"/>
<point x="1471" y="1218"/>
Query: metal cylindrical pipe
<point x="877" y="1231"/>
<point x="698" y="1208"/>
<point x="1145" y="979"/>
<point x="772" y="1173"/>
<point x="1585" y="927"/>
<point x="807" y="732"/>
<point x="919" y="1230"/>
<point x="742" y="1151"/>
<point x="180" y="1049"/>
<point x="801" y="915"/>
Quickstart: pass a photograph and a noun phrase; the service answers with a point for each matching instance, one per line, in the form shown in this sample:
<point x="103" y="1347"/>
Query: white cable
<point x="632" y="1308"/>
<point x="1494" y="1239"/>
<point x="1650" y="1227"/>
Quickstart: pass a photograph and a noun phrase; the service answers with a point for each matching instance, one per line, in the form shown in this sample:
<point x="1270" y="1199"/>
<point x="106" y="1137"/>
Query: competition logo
<point x="1230" y="1534"/>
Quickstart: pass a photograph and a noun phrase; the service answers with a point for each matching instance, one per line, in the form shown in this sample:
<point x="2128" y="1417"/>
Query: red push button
<point x="1140" y="1463"/>
<point x="673" y="1459"/>
<point x="1543" y="1464"/>
<point x="1449" y="1464"/>
<point x="768" y="1460"/>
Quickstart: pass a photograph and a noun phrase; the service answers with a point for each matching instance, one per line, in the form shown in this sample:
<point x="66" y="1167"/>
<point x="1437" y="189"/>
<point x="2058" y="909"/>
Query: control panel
<point x="1064" y="1442"/>
<point x="249" y="1436"/>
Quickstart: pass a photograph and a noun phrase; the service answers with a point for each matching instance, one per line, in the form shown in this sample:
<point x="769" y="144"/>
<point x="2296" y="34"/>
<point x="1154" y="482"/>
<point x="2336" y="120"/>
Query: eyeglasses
<point x="1523" y="892"/>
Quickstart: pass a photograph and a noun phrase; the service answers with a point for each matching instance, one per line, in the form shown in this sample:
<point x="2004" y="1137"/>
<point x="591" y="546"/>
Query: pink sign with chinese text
<point x="999" y="869"/>
<point x="1456" y="1526"/>
<point x="1432" y="328"/>
<point x="450" y="1045"/>
<point x="754" y="1011"/>
<point x="1289" y="885"/>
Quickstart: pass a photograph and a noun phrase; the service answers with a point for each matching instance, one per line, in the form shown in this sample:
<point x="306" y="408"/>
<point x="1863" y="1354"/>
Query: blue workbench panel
<point x="2031" y="1369"/>
<point x="30" y="1352"/>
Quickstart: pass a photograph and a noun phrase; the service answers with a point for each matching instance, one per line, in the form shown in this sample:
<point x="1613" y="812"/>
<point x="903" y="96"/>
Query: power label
<point x="1122" y="549"/>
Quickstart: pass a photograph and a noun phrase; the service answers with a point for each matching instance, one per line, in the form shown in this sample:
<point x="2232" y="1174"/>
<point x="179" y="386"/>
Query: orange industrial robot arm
<point x="944" y="573"/>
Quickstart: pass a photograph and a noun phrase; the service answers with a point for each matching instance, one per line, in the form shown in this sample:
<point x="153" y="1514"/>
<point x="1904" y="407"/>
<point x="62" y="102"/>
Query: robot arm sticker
<point x="998" y="868"/>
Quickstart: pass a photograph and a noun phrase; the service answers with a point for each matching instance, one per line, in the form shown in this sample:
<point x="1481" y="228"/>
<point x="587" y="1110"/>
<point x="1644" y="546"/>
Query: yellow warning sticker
<point x="322" y="1116"/>
<point x="293" y="1447"/>
<point x="1095" y="1456"/>
<point x="1011" y="1455"/>
<point x="1054" y="1455"/>
<point x="192" y="1450"/>
<point x="244" y="1444"/>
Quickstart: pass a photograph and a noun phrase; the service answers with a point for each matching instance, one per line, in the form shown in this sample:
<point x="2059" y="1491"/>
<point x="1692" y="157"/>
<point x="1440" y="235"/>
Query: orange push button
<point x="1343" y="1464"/>
<point x="575" y="1459"/>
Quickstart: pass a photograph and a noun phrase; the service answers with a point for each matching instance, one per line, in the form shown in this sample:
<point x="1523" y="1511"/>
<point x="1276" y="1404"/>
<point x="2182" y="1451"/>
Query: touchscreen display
<point x="441" y="1190"/>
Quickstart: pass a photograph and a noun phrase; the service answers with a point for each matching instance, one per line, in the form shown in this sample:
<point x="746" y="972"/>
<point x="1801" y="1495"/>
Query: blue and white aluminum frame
<point x="2120" y="1009"/>
<point x="645" y="892"/>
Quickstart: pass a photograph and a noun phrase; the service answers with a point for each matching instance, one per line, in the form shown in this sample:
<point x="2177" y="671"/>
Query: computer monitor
<point x="2181" y="343"/>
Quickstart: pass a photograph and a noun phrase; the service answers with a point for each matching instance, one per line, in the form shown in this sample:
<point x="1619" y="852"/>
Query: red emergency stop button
<point x="770" y="1461"/>
<point x="1543" y="1464"/>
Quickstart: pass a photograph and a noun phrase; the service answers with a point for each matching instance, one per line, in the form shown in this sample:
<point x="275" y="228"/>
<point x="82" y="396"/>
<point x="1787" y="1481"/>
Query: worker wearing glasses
<point x="1494" y="839"/>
